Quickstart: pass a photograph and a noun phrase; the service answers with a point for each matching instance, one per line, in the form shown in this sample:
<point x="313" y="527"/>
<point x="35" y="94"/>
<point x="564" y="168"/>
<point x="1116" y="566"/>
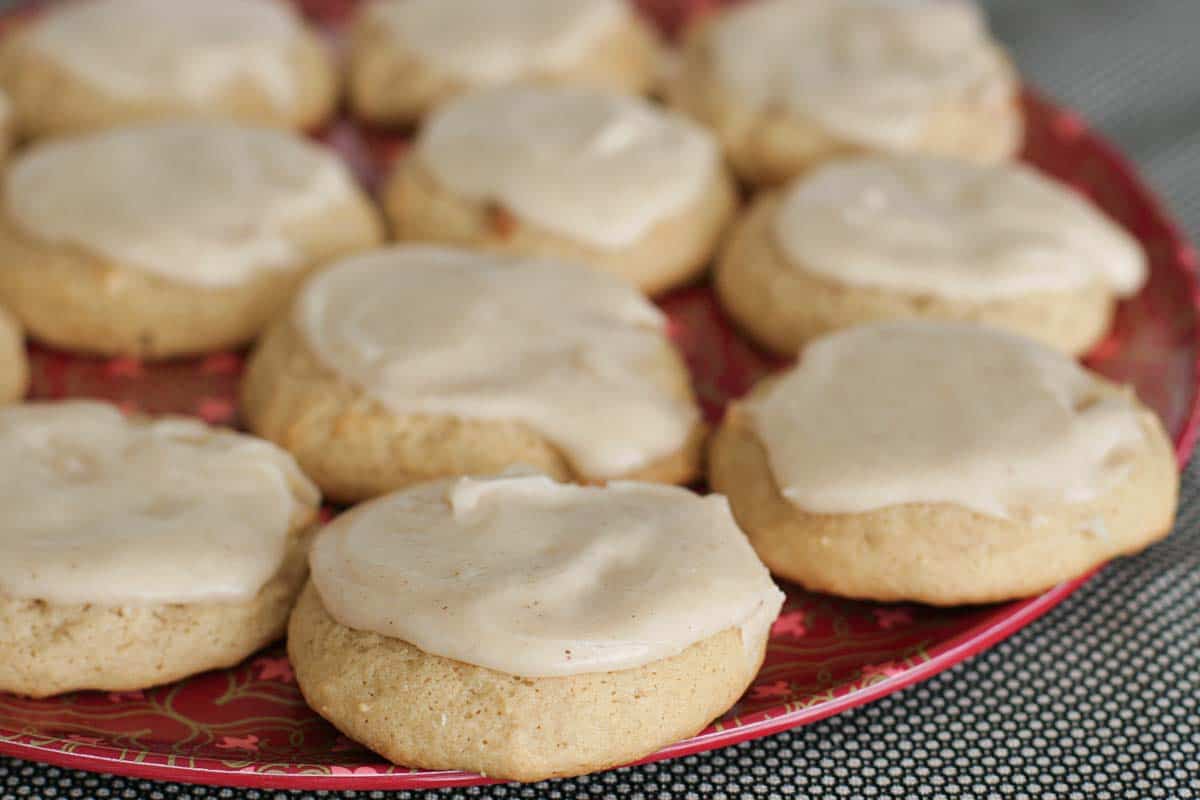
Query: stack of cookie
<point x="522" y="592"/>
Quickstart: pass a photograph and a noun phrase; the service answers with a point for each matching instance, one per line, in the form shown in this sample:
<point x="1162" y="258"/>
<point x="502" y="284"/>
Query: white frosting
<point x="872" y="71"/>
<point x="533" y="578"/>
<point x="568" y="351"/>
<point x="952" y="229"/>
<point x="602" y="168"/>
<point x="203" y="203"/>
<point x="177" y="51"/>
<point x="920" y="412"/>
<point x="491" y="41"/>
<point x="103" y="510"/>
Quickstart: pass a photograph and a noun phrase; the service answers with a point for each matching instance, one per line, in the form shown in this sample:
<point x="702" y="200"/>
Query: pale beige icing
<point x="569" y="351"/>
<point x="526" y="576"/>
<point x="203" y="203"/>
<point x="952" y="229"/>
<point x="872" y="71"/>
<point x="920" y="412"/>
<point x="488" y="42"/>
<point x="602" y="168"/>
<point x="104" y="510"/>
<point x="182" y="51"/>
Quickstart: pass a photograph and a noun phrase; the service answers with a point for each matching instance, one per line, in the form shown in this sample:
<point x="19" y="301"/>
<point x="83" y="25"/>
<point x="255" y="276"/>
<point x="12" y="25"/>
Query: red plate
<point x="249" y="726"/>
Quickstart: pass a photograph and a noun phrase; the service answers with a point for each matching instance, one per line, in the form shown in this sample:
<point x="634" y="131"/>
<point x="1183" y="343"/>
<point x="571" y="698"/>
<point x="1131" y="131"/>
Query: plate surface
<point x="248" y="726"/>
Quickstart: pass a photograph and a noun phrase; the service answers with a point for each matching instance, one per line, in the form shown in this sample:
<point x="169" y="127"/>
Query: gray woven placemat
<point x="1096" y="700"/>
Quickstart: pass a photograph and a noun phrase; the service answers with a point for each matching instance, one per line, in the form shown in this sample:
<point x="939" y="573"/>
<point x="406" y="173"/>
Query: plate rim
<point x="1002" y="622"/>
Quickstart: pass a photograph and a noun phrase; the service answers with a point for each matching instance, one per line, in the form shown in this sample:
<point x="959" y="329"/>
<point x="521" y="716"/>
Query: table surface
<point x="1099" y="699"/>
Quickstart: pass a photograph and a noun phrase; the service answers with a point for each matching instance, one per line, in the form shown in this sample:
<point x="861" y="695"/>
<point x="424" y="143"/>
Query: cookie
<point x="944" y="464"/>
<point x="14" y="364"/>
<point x="94" y="64"/>
<point x="600" y="179"/>
<point x="787" y="84"/>
<point x="415" y="362"/>
<point x="169" y="239"/>
<point x="409" y="56"/>
<point x="579" y="628"/>
<point x="886" y="237"/>
<point x="140" y="551"/>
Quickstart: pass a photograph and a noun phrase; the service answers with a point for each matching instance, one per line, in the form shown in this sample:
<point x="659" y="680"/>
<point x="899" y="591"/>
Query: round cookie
<point x="574" y="174"/>
<point x="656" y="616"/>
<point x="877" y="238"/>
<point x="787" y="84"/>
<point x="413" y="363"/>
<point x="409" y="56"/>
<point x="141" y="551"/>
<point x="14" y="363"/>
<point x="103" y="63"/>
<point x="170" y="238"/>
<point x="941" y="463"/>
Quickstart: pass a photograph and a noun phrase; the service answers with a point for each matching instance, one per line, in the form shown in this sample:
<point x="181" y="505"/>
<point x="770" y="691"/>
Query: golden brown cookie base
<point x="772" y="146"/>
<point x="939" y="553"/>
<point x="50" y="100"/>
<point x="781" y="305"/>
<point x="7" y="134"/>
<point x="14" y="363"/>
<point x="50" y="649"/>
<point x="76" y="300"/>
<point x="391" y="85"/>
<point x="355" y="449"/>
<point x="430" y="712"/>
<point x="672" y="253"/>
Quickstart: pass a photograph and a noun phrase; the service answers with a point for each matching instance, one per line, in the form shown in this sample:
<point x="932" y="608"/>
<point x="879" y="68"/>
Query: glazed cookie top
<point x="920" y="412"/>
<point x="951" y="229"/>
<point x="526" y="576"/>
<point x="488" y="42"/>
<point x="574" y="354"/>
<point x="599" y="167"/>
<point x="174" y="50"/>
<point x="109" y="510"/>
<point x="871" y="71"/>
<point x="202" y="203"/>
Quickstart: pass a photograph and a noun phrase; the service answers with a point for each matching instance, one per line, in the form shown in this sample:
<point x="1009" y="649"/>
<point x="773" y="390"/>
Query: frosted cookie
<point x="606" y="180"/>
<point x="173" y="238"/>
<point x="884" y="237"/>
<point x="92" y="64"/>
<point x="14" y="364"/>
<point x="408" y="56"/>
<point x="787" y="84"/>
<point x="138" y="551"/>
<point x="526" y="629"/>
<point x="413" y="363"/>
<point x="942" y="463"/>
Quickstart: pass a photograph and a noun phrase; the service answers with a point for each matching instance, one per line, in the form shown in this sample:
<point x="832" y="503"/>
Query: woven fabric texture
<point x="1096" y="700"/>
